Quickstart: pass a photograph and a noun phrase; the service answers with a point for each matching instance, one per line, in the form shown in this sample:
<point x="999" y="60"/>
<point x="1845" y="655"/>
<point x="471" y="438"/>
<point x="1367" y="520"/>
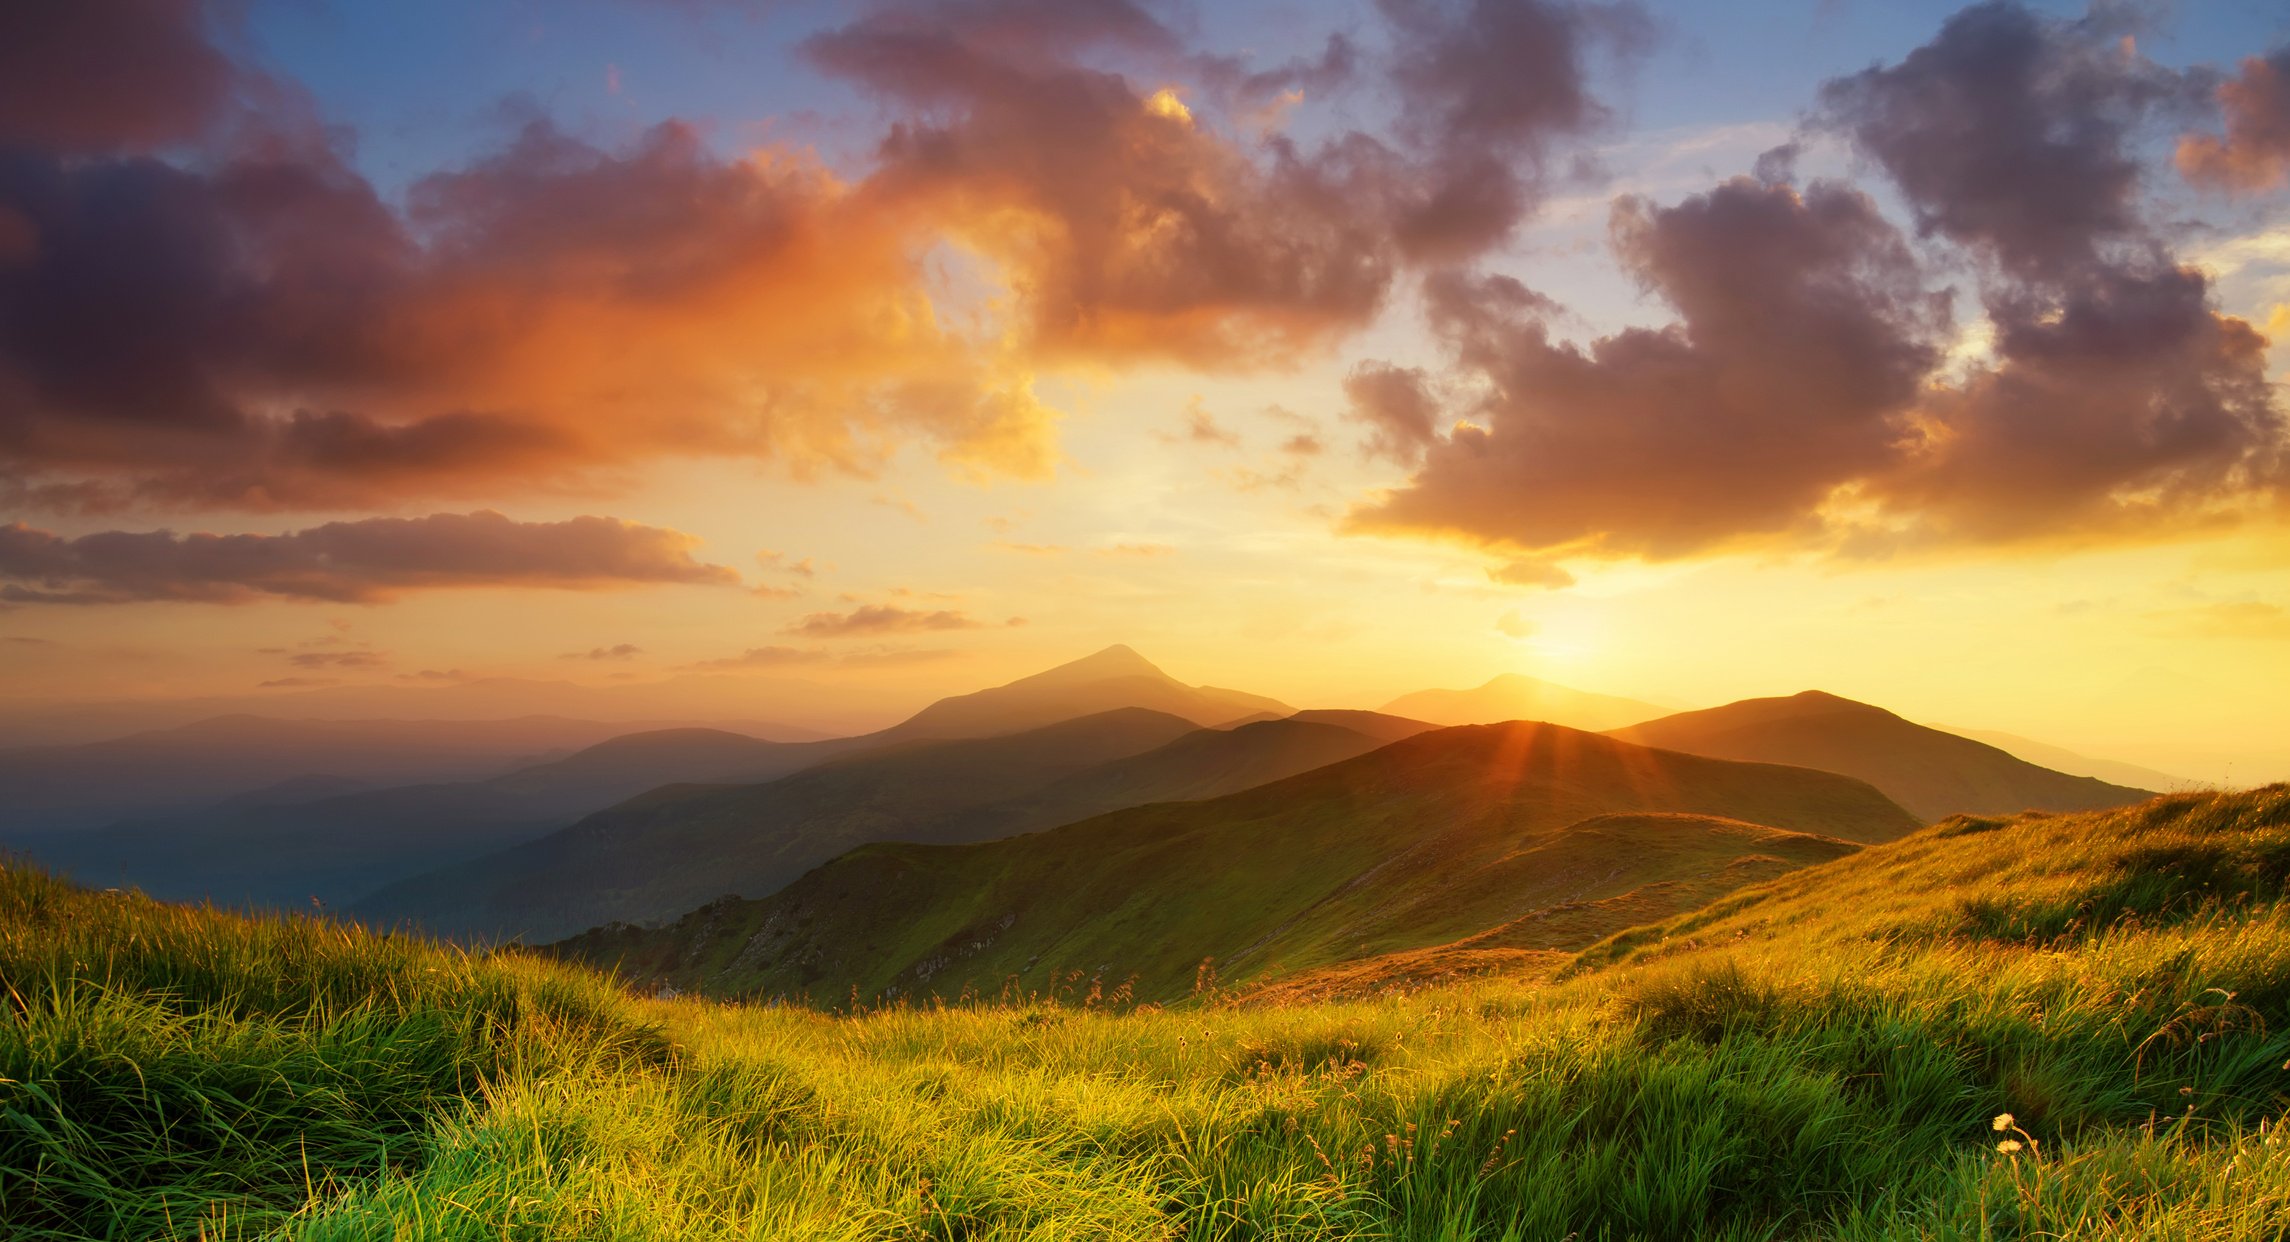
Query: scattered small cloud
<point x="764" y="657"/>
<point x="1200" y="428"/>
<point x="20" y="638"/>
<point x="901" y="504"/>
<point x="1029" y="549"/>
<point x="1303" y="445"/>
<point x="896" y="657"/>
<point x="1004" y="525"/>
<point x="767" y="591"/>
<point x="1135" y="550"/>
<point x="1516" y="626"/>
<point x="2244" y="619"/>
<point x="879" y="619"/>
<point x="621" y="651"/>
<point x="777" y="563"/>
<point x="1531" y="573"/>
<point x="1015" y="622"/>
<point x="455" y="675"/>
<point x="337" y="659"/>
<point x="298" y="683"/>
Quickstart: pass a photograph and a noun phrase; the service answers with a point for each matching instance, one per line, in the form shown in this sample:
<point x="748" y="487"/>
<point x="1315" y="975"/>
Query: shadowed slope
<point x="1932" y="773"/>
<point x="676" y="846"/>
<point x="1513" y="697"/>
<point x="1413" y="844"/>
<point x="1206" y="763"/>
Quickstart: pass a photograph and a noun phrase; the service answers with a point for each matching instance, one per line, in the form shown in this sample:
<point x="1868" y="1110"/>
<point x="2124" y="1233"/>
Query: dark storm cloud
<point x="352" y="562"/>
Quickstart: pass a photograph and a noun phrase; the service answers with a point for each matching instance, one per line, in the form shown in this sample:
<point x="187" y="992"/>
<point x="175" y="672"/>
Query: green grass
<point x="1822" y="1060"/>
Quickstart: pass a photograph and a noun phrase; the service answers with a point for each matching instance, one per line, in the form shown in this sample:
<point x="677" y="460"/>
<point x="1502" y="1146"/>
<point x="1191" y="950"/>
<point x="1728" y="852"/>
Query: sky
<point x="1924" y="354"/>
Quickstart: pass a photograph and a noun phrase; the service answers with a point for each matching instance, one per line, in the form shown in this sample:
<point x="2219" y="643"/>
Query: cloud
<point x="879" y="619"/>
<point x="1805" y="394"/>
<point x="111" y="74"/>
<point x="1135" y="550"/>
<point x="763" y="657"/>
<point x="1398" y="406"/>
<point x="1516" y="626"/>
<point x="249" y="324"/>
<point x="1531" y="573"/>
<point x="351" y="562"/>
<point x="1029" y="549"/>
<point x="618" y="651"/>
<point x="337" y="659"/>
<point x="1484" y="88"/>
<point x="297" y="683"/>
<point x="2255" y="153"/>
<point x="1201" y="428"/>
<point x="2246" y="619"/>
<point x="458" y="676"/>
<point x="1804" y="333"/>
<point x="790" y="657"/>
<point x="779" y="564"/>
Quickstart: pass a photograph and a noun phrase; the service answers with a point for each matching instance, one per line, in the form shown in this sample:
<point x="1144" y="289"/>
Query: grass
<point x="1822" y="1056"/>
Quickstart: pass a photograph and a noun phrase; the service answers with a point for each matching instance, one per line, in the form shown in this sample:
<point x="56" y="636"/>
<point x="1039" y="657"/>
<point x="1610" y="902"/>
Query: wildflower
<point x="2003" y="1122"/>
<point x="2008" y="1146"/>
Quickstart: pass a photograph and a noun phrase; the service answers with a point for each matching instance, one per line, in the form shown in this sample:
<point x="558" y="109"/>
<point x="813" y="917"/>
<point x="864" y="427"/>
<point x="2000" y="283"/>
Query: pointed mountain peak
<point x="1117" y="660"/>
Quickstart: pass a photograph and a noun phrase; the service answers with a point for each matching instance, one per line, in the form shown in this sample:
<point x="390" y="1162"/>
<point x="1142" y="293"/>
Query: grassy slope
<point x="1822" y="1062"/>
<point x="667" y="851"/>
<point x="165" y="1068"/>
<point x="1419" y="843"/>
<point x="1931" y="772"/>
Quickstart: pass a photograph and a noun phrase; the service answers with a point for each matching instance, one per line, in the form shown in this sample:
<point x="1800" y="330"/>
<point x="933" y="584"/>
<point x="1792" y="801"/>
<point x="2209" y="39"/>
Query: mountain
<point x="758" y="706"/>
<point x="1421" y="842"/>
<point x="51" y="788"/>
<point x="1513" y="697"/>
<point x="2058" y="759"/>
<point x="261" y="850"/>
<point x="1932" y="773"/>
<point x="665" y="852"/>
<point x="1375" y="724"/>
<point x="1206" y="763"/>
<point x="1114" y="677"/>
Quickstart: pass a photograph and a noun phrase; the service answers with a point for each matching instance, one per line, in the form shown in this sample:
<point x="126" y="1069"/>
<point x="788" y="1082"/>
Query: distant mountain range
<point x="271" y="850"/>
<point x="49" y="788"/>
<point x="1423" y="841"/>
<point x="1932" y="773"/>
<point x="1515" y="697"/>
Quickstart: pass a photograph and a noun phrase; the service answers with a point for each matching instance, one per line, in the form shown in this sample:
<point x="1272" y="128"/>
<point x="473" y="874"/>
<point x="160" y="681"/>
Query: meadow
<point x="2044" y="1026"/>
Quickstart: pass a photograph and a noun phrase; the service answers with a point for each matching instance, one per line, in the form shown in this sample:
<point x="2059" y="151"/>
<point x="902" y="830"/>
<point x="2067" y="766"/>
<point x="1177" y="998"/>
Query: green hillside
<point x="1929" y="771"/>
<point x="672" y="848"/>
<point x="2043" y="1027"/>
<point x="1427" y="840"/>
